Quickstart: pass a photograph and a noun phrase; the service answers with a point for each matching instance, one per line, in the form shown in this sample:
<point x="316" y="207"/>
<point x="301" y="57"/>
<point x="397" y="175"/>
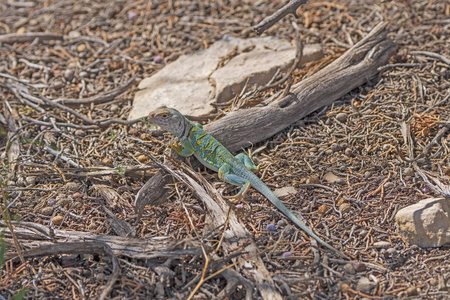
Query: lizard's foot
<point x="235" y="199"/>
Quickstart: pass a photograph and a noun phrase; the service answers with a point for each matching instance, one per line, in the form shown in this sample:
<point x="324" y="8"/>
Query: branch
<point x="290" y="8"/>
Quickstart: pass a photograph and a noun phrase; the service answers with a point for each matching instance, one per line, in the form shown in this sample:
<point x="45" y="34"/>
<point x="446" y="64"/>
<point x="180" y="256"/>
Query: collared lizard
<point x="237" y="170"/>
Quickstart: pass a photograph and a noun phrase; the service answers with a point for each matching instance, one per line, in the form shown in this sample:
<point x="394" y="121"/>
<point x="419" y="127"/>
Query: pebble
<point x="359" y="267"/>
<point x="382" y="245"/>
<point x="313" y="180"/>
<point x="365" y="285"/>
<point x="57" y="84"/>
<point x="132" y="15"/>
<point x="157" y="59"/>
<point x="81" y="48"/>
<point x="73" y="186"/>
<point x="434" y="281"/>
<point x="287" y="254"/>
<point x="133" y="131"/>
<point x="62" y="202"/>
<point x="323" y="209"/>
<point x="47" y="211"/>
<point x="367" y="174"/>
<point x="69" y="74"/>
<point x="447" y="171"/>
<point x="412" y="291"/>
<point x="84" y="74"/>
<point x="114" y="107"/>
<point x="80" y="132"/>
<point x="30" y="180"/>
<point x="409" y="172"/>
<point x="341" y="117"/>
<point x="77" y="195"/>
<point x="391" y="252"/>
<point x="271" y="227"/>
<point x="281" y="223"/>
<point x="349" y="152"/>
<point x="349" y="269"/>
<point x="107" y="161"/>
<point x="389" y="185"/>
<point x="142" y="158"/>
<point x="335" y="147"/>
<point x="57" y="220"/>
<point x="345" y="208"/>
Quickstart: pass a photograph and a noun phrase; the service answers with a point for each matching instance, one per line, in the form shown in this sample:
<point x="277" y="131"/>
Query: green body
<point x="237" y="170"/>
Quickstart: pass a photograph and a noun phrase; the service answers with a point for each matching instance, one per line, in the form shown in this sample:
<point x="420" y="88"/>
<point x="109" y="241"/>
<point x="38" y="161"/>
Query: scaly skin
<point x="237" y="170"/>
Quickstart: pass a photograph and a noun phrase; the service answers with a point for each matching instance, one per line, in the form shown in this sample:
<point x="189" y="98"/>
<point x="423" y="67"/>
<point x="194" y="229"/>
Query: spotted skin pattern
<point x="237" y="170"/>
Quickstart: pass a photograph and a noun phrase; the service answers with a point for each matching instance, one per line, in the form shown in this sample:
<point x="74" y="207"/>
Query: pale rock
<point x="284" y="191"/>
<point x="426" y="223"/>
<point x="194" y="81"/>
<point x="330" y="177"/>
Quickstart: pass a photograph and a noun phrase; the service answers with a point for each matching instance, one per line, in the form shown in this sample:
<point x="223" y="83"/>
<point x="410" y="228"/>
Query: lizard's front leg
<point x="226" y="175"/>
<point x="184" y="149"/>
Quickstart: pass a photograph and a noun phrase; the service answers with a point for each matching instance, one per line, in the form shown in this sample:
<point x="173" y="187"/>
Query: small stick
<point x="290" y="8"/>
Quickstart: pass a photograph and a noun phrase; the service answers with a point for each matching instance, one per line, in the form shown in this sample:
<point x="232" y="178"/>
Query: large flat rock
<point x="217" y="74"/>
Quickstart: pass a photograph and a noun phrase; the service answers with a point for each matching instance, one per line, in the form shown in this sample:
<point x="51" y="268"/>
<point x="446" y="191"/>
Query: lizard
<point x="237" y="170"/>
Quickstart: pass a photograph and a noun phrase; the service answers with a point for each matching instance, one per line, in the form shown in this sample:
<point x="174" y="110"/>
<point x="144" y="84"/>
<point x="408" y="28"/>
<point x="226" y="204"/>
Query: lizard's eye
<point x="164" y="115"/>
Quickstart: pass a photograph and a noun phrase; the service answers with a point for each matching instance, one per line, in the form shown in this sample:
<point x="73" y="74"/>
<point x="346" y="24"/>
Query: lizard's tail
<point x="267" y="192"/>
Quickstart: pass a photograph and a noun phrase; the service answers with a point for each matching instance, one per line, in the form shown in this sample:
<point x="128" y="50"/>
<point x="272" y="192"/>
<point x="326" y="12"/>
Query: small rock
<point x="284" y="191"/>
<point x="426" y="223"/>
<point x="341" y="117"/>
<point x="287" y="254"/>
<point x="69" y="74"/>
<point x="57" y="84"/>
<point x="367" y="174"/>
<point x="349" y="152"/>
<point x="77" y="205"/>
<point x="434" y="281"/>
<point x="386" y="147"/>
<point x="345" y="208"/>
<point x="84" y="74"/>
<point x="73" y="186"/>
<point x="80" y="132"/>
<point x="389" y="185"/>
<point x="363" y="233"/>
<point x="281" y="223"/>
<point x="412" y="291"/>
<point x="132" y="15"/>
<point x="447" y="171"/>
<point x="359" y="266"/>
<point x="107" y="161"/>
<point x="47" y="211"/>
<point x="365" y="285"/>
<point x="77" y="195"/>
<point x="74" y="34"/>
<point x="382" y="245"/>
<point x="409" y="172"/>
<point x="133" y="131"/>
<point x="271" y="227"/>
<point x="313" y="180"/>
<point x="30" y="180"/>
<point x="335" y="147"/>
<point x="57" y="220"/>
<point x="142" y="158"/>
<point x="330" y="177"/>
<point x="81" y="48"/>
<point x="391" y="252"/>
<point x="157" y="59"/>
<point x="323" y="209"/>
<point x="349" y="269"/>
<point x="62" y="202"/>
<point x="119" y="26"/>
<point x="114" y="107"/>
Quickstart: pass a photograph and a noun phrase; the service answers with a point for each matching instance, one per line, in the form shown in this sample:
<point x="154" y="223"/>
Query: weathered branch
<point x="245" y="127"/>
<point x="28" y="37"/>
<point x="290" y="8"/>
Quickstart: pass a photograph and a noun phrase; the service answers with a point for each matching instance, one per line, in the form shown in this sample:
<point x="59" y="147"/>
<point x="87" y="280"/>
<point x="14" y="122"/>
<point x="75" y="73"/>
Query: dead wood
<point x="360" y="63"/>
<point x="33" y="234"/>
<point x="290" y="8"/>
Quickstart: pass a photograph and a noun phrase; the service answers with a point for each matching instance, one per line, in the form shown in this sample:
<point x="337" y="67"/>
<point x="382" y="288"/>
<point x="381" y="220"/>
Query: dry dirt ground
<point x="77" y="167"/>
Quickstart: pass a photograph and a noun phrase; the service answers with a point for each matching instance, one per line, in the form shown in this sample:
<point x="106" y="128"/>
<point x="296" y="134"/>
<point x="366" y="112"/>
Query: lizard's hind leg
<point x="224" y="174"/>
<point x="247" y="162"/>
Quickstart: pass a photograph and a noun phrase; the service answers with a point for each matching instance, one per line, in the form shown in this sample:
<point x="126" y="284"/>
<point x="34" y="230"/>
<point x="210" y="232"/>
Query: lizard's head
<point x="169" y="119"/>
